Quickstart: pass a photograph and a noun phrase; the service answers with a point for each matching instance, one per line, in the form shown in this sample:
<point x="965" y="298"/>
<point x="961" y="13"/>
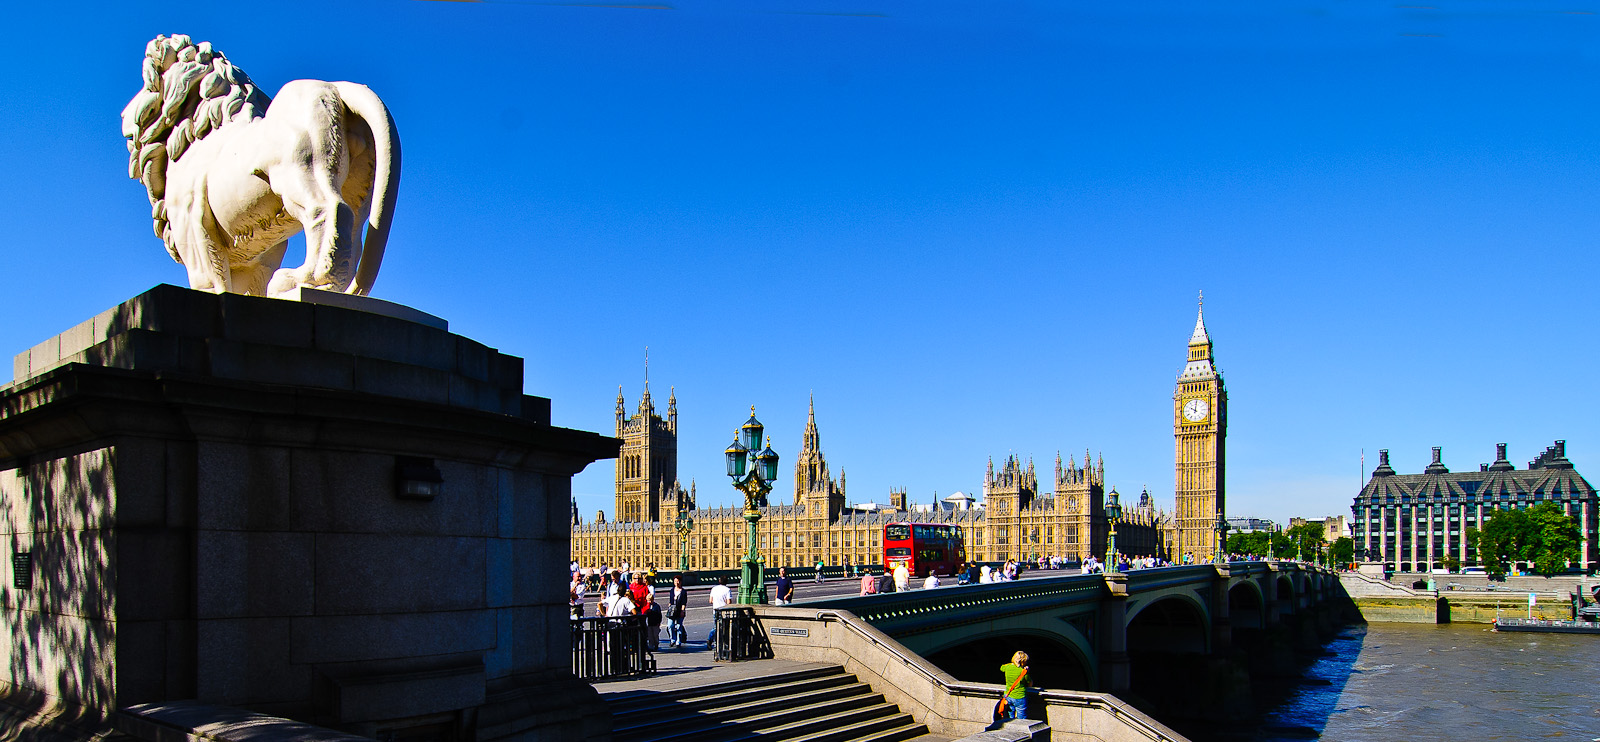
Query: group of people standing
<point x="618" y="597"/>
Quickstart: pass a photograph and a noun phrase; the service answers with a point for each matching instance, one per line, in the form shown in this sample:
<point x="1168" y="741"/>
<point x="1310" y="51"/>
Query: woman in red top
<point x="639" y="591"/>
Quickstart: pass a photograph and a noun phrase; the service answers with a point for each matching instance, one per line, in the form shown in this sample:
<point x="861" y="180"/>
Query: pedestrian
<point x="932" y="581"/>
<point x="785" y="587"/>
<point x="886" y="582"/>
<point x="1016" y="672"/>
<point x="721" y="596"/>
<point x="902" y="577"/>
<point x="819" y="572"/>
<point x="652" y="622"/>
<point x="964" y="575"/>
<point x="575" y="593"/>
<point x="639" y="593"/>
<point x="620" y="605"/>
<point x="677" y="608"/>
<point x="869" y="584"/>
<point x="985" y="576"/>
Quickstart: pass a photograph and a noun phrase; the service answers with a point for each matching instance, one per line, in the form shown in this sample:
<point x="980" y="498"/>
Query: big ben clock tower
<point x="1200" y="425"/>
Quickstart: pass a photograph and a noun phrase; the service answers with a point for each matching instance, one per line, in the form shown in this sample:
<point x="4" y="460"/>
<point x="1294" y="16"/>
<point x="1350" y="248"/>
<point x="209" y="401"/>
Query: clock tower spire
<point x="1200" y="427"/>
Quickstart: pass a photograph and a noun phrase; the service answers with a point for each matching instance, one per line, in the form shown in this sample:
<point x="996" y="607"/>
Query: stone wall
<point x="213" y="493"/>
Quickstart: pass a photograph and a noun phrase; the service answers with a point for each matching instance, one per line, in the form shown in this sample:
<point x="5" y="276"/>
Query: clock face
<point x="1195" y="410"/>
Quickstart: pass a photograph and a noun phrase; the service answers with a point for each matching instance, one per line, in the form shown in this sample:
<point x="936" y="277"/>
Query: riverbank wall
<point x="1383" y="601"/>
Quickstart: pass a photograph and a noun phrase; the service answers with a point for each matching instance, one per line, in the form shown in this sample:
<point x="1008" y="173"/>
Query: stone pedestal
<point x="307" y="510"/>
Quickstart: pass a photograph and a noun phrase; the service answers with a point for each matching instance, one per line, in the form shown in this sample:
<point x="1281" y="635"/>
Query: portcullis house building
<point x="1419" y="522"/>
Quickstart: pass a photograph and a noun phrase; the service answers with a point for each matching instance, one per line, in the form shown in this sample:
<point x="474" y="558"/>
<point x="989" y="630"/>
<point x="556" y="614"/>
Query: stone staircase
<point x="821" y="704"/>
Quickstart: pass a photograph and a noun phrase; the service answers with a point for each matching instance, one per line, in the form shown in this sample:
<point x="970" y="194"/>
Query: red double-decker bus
<point x="924" y="547"/>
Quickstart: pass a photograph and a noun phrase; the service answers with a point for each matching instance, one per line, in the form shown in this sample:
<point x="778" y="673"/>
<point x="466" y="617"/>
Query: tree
<point x="1502" y="540"/>
<point x="1307" y="536"/>
<point x="1343" y="550"/>
<point x="1283" y="547"/>
<point x="1248" y="543"/>
<point x="1552" y="538"/>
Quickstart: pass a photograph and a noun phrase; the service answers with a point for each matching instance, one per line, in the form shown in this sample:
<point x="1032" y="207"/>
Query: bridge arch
<point x="1063" y="660"/>
<point x="1175" y="622"/>
<point x="1247" y="607"/>
<point x="1168" y="642"/>
<point x="1286" y="594"/>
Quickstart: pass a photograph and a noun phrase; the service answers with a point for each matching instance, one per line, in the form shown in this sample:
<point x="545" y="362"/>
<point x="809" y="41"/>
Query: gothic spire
<point x="811" y="441"/>
<point x="1200" y="337"/>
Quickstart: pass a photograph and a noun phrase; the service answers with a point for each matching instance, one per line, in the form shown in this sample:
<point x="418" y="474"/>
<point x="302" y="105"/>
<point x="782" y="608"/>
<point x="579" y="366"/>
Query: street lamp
<point x="753" y="470"/>
<point x="683" y="525"/>
<point x="1222" y="540"/>
<point x="1114" y="513"/>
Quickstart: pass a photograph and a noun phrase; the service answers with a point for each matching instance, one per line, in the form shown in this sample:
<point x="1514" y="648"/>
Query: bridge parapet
<point x="948" y="706"/>
<point x="909" y="611"/>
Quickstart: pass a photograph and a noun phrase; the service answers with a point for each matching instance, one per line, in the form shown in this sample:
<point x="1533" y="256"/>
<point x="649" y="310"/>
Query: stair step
<point x="819" y="722"/>
<point x="686" y="705"/>
<point x="853" y="695"/>
<point x="816" y="705"/>
<point x="845" y="729"/>
<point x="777" y="726"/>
<point x="624" y="702"/>
<point x="910" y="731"/>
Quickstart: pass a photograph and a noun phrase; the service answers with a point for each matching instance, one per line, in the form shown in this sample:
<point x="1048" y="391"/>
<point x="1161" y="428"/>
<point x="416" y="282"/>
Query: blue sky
<point x="972" y="229"/>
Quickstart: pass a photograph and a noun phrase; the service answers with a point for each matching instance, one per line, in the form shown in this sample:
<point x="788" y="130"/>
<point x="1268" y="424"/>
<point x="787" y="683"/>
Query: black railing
<point x="611" y="647"/>
<point x="739" y="635"/>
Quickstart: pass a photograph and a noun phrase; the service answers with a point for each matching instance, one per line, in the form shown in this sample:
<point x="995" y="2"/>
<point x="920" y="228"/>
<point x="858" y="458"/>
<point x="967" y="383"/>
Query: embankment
<point x="1383" y="601"/>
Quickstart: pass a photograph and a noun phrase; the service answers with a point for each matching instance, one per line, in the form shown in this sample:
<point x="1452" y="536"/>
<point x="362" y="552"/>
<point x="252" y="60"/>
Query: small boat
<point x="1561" y="626"/>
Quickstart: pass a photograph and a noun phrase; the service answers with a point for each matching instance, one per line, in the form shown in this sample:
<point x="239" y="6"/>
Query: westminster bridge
<point x="1188" y="638"/>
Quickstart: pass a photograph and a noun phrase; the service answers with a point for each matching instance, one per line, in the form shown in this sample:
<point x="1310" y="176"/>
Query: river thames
<point x="1421" y="682"/>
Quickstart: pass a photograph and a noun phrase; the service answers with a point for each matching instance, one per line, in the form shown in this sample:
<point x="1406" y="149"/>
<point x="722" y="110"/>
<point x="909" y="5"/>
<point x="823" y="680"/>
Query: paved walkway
<point x="694" y="668"/>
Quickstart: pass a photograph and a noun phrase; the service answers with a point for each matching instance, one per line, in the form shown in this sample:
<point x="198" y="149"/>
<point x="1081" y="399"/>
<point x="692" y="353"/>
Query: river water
<point x="1423" y="682"/>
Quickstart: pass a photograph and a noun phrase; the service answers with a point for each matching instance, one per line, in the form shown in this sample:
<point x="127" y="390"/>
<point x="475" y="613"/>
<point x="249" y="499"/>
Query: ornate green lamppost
<point x="684" y="525"/>
<point x="752" y="473"/>
<point x="1222" y="540"/>
<point x="1113" y="514"/>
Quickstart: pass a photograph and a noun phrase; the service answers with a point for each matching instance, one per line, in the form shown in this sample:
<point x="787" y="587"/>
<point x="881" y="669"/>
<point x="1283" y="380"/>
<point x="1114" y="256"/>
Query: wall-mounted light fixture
<point x="417" y="478"/>
<point x="22" y="570"/>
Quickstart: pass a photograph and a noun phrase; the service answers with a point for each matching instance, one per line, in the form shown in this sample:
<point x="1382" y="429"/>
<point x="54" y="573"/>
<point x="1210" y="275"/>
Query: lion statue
<point x="233" y="174"/>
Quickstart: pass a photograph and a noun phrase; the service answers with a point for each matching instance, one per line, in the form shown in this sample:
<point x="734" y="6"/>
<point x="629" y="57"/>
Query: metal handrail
<point x="611" y="647"/>
<point x="739" y="635"/>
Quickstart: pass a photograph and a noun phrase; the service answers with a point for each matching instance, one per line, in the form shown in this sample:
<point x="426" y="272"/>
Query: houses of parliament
<point x="1013" y="521"/>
